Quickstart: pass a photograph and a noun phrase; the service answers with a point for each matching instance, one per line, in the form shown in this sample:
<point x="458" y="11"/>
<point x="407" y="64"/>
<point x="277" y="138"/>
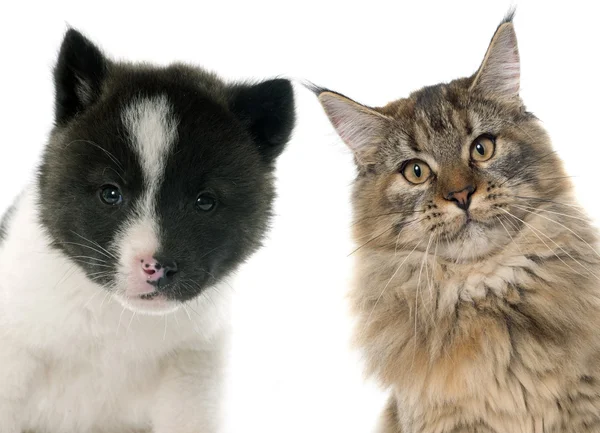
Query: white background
<point x="292" y="369"/>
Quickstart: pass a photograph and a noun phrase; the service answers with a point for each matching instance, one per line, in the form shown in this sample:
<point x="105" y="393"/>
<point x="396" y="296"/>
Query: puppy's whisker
<point x="87" y="246"/>
<point x="90" y="258"/>
<point x="119" y="324"/>
<point x="95" y="244"/>
<point x="112" y="157"/>
<point x="130" y="321"/>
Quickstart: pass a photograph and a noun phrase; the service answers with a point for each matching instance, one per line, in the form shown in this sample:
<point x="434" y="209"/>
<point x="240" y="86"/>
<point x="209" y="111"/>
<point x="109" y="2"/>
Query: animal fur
<point x="482" y="320"/>
<point x="156" y="183"/>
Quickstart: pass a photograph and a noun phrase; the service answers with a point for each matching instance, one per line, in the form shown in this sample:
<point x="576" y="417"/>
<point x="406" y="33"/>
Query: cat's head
<point x="453" y="165"/>
<point x="158" y="181"/>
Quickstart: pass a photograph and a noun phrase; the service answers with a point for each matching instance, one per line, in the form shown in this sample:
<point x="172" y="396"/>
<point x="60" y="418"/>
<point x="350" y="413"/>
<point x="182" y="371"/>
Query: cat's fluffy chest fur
<point x="509" y="342"/>
<point x="85" y="349"/>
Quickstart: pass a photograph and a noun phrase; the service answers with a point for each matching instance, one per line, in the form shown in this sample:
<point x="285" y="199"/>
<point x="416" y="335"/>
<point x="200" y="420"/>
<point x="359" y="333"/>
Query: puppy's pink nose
<point x="159" y="272"/>
<point x="152" y="268"/>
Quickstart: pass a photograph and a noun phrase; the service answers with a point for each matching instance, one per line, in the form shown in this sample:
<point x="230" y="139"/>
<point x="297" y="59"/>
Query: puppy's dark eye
<point x="483" y="148"/>
<point x="111" y="195"/>
<point x="205" y="202"/>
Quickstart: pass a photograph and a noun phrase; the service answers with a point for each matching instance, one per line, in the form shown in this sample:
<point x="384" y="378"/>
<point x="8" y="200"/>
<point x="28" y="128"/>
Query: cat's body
<point x="156" y="183"/>
<point x="477" y="285"/>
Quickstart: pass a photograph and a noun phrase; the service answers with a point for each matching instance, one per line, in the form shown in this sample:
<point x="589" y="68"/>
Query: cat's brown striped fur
<point x="487" y="328"/>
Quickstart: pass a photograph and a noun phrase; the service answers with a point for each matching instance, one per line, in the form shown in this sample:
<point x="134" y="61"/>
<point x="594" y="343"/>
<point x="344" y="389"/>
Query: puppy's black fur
<point x="228" y="138"/>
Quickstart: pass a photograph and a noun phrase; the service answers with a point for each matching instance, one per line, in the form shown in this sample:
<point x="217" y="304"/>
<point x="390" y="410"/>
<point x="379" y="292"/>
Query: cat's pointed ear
<point x="500" y="72"/>
<point x="78" y="75"/>
<point x="360" y="127"/>
<point x="267" y="110"/>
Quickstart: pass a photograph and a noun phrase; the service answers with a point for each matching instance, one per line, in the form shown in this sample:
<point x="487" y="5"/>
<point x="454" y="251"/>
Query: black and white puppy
<point x="155" y="184"/>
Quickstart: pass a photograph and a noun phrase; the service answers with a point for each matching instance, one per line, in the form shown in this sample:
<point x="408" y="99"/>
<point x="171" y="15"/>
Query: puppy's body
<point x="156" y="183"/>
<point x="85" y="363"/>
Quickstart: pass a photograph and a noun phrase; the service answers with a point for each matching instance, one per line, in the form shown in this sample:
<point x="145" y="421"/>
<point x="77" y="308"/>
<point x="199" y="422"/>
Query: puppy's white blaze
<point x="152" y="130"/>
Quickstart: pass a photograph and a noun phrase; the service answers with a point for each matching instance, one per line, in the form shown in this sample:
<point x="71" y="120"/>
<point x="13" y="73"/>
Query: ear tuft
<point x="500" y="72"/>
<point x="267" y="110"/>
<point x="360" y="127"/>
<point x="78" y="76"/>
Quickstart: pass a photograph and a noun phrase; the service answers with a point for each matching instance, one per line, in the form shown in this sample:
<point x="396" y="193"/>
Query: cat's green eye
<point x="483" y="148"/>
<point x="416" y="171"/>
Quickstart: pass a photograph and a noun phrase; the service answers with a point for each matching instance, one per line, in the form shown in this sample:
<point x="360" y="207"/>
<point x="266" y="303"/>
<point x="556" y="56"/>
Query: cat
<point x="155" y="184"/>
<point x="477" y="278"/>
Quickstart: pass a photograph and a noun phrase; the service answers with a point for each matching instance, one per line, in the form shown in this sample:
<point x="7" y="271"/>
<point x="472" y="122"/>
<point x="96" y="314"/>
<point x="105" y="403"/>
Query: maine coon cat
<point x="477" y="286"/>
<point x="156" y="183"/>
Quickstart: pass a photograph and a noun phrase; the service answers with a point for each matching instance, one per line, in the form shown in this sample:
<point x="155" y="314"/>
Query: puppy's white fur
<point x="74" y="360"/>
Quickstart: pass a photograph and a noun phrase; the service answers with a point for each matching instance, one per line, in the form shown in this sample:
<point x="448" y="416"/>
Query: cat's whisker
<point x="371" y="240"/>
<point x="525" y="181"/>
<point x="510" y="236"/>
<point x="534" y="230"/>
<point x="514" y="225"/>
<point x="563" y="226"/>
<point x="426" y="262"/>
<point x="417" y="294"/>
<point x="386" y="214"/>
<point x="573" y="206"/>
<point x="553" y="212"/>
<point x="404" y="225"/>
<point x="432" y="285"/>
<point x="396" y="247"/>
<point x="390" y="280"/>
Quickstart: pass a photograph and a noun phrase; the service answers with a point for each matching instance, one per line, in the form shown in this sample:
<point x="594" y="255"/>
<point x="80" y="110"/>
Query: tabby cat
<point x="477" y="287"/>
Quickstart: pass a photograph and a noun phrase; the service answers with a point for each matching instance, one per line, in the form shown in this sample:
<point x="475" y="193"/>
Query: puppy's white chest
<point x="99" y="389"/>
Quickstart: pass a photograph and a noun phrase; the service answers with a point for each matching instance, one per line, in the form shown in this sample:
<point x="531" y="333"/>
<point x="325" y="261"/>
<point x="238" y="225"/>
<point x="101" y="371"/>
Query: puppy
<point x="155" y="184"/>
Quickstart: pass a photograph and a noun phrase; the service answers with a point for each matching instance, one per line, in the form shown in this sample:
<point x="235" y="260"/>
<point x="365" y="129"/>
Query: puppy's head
<point x="158" y="182"/>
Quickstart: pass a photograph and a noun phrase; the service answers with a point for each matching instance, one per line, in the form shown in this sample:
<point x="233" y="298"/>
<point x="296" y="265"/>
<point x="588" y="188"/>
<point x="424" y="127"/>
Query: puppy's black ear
<point x="78" y="76"/>
<point x="267" y="110"/>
